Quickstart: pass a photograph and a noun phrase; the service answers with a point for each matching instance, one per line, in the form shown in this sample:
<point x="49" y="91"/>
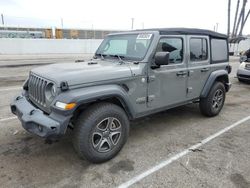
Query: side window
<point x="198" y="49"/>
<point x="175" y="48"/>
<point x="219" y="50"/>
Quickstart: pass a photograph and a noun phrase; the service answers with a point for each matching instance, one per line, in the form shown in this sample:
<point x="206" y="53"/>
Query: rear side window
<point x="219" y="50"/>
<point x="198" y="49"/>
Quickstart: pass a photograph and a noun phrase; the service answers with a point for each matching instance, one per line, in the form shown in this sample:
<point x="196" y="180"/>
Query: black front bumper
<point x="36" y="121"/>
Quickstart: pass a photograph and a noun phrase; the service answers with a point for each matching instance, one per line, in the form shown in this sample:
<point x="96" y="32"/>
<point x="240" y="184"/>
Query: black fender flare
<point x="90" y="94"/>
<point x="221" y="75"/>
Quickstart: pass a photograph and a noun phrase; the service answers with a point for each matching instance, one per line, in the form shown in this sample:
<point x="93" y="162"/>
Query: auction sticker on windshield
<point x="144" y="36"/>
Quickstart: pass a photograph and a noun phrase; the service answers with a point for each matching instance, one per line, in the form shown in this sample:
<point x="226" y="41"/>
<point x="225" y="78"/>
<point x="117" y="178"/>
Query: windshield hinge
<point x="150" y="98"/>
<point x="150" y="78"/>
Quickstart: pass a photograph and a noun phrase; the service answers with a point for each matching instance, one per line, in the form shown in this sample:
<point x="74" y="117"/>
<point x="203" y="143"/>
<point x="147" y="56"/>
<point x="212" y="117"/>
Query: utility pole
<point x="2" y="19"/>
<point x="132" y="26"/>
<point x="62" y="22"/>
<point x="228" y="18"/>
<point x="217" y="26"/>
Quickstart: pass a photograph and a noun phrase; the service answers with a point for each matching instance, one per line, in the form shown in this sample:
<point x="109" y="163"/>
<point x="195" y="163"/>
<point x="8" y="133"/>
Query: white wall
<point x="242" y="46"/>
<point x="48" y="46"/>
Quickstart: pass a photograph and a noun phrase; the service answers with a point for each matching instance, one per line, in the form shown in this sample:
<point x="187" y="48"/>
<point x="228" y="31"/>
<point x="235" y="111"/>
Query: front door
<point x="168" y="83"/>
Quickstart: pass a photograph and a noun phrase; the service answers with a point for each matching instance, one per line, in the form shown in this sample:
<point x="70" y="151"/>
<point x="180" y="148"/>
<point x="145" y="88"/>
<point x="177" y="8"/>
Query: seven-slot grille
<point x="37" y="86"/>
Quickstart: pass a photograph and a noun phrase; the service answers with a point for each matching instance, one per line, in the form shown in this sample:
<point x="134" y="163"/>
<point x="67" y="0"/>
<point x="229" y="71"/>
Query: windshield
<point x="127" y="46"/>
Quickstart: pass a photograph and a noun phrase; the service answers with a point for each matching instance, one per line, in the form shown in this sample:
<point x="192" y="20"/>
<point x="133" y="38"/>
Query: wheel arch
<point x="84" y="97"/>
<point x="220" y="76"/>
<point x="114" y="99"/>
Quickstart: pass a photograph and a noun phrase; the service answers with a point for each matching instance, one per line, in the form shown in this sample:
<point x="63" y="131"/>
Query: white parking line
<point x="10" y="89"/>
<point x="181" y="154"/>
<point x="7" y="119"/>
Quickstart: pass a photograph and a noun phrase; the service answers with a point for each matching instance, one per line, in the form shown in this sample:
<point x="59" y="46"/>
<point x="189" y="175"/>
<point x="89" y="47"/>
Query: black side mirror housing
<point x="162" y="58"/>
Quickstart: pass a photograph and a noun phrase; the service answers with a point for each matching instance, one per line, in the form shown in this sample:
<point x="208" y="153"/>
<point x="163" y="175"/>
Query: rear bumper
<point x="35" y="121"/>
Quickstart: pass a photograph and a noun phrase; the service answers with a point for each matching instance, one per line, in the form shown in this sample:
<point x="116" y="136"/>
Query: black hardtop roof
<point x="186" y="31"/>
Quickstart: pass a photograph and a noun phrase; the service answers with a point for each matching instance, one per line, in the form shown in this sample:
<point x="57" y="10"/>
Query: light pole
<point x="2" y="19"/>
<point x="62" y="22"/>
<point x="132" y="26"/>
<point x="217" y="26"/>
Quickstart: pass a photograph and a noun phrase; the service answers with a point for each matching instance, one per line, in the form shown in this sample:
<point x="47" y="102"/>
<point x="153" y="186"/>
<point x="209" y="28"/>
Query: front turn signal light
<point x="65" y="106"/>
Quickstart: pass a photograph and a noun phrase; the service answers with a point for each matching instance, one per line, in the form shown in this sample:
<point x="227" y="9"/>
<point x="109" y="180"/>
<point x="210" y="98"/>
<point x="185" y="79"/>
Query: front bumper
<point x="243" y="74"/>
<point x="36" y="121"/>
<point x="228" y="86"/>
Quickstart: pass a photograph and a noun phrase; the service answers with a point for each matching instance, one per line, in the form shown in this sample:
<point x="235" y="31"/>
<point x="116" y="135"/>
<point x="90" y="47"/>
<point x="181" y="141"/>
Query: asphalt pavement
<point x="160" y="150"/>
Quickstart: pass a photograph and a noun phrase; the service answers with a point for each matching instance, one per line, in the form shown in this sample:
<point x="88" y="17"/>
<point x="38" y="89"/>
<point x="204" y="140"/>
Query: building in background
<point x="22" y="32"/>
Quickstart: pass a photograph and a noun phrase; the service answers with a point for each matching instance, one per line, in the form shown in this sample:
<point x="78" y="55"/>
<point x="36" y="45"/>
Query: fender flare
<point x="93" y="93"/>
<point x="218" y="74"/>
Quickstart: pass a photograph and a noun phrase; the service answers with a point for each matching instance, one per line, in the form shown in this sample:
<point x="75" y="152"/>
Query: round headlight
<point x="50" y="91"/>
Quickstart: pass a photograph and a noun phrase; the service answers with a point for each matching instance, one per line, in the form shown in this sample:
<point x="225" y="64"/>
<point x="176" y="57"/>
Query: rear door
<point x="198" y="65"/>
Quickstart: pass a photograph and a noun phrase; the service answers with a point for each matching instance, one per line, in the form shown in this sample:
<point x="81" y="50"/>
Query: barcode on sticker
<point x="144" y="36"/>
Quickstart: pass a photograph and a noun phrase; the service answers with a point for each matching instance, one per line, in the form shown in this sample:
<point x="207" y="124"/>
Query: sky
<point x="118" y="14"/>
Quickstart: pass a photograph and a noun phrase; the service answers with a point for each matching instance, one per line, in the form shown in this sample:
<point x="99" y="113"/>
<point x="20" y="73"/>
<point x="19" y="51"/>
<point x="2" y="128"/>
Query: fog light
<point x="65" y="106"/>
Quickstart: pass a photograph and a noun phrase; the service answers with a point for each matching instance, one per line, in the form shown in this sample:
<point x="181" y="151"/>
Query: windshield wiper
<point x="101" y="55"/>
<point x="120" y="57"/>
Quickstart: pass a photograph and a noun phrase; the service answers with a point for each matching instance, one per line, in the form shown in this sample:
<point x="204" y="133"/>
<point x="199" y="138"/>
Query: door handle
<point x="204" y="69"/>
<point x="181" y="73"/>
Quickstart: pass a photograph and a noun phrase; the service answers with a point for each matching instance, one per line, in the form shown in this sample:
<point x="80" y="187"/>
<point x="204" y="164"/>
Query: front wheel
<point x="213" y="103"/>
<point x="100" y="132"/>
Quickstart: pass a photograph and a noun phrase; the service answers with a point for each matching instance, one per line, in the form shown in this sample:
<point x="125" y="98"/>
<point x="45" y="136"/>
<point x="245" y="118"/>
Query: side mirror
<point x="162" y="58"/>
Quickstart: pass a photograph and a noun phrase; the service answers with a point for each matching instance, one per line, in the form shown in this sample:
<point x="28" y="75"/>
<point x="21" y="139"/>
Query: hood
<point x="84" y="72"/>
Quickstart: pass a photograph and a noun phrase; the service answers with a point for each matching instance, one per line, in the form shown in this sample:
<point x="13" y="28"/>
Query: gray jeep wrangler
<point x="133" y="74"/>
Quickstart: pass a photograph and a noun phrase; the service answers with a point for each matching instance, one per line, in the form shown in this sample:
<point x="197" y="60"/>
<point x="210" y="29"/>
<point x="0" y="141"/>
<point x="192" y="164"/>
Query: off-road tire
<point x="207" y="105"/>
<point x="90" y="122"/>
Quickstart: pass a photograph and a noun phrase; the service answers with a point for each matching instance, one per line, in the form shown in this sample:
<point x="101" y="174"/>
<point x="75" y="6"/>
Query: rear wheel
<point x="213" y="103"/>
<point x="100" y="132"/>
